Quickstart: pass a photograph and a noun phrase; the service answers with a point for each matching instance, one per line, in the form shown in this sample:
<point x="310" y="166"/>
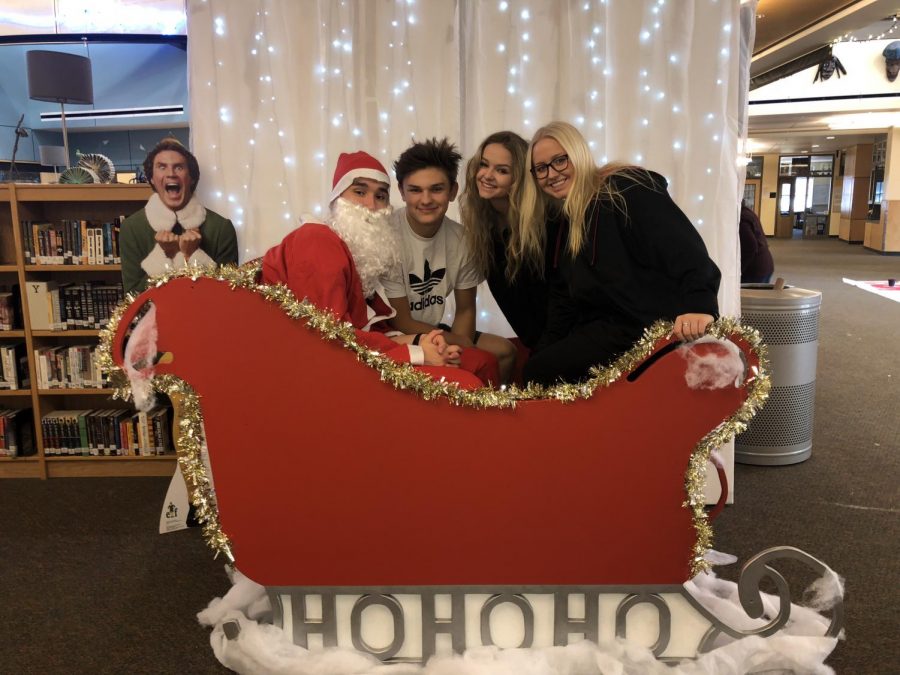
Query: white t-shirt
<point x="430" y="268"/>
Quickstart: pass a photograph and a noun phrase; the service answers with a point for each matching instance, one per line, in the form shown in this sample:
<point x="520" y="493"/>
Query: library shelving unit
<point x="49" y="203"/>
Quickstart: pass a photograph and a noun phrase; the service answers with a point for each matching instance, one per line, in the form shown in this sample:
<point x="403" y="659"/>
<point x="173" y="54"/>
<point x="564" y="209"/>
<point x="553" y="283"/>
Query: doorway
<point x="784" y="223"/>
<point x="804" y="195"/>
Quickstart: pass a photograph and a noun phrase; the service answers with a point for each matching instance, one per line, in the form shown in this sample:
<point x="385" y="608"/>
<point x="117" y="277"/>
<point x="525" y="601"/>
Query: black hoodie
<point x="638" y="264"/>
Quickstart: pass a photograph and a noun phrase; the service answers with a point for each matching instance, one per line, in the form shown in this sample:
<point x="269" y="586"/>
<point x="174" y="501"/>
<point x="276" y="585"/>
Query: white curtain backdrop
<point x="279" y="87"/>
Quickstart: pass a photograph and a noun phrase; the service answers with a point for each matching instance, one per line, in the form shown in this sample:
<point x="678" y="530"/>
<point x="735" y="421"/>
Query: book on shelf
<point x="72" y="242"/>
<point x="107" y="433"/>
<point x="16" y="433"/>
<point x="14" y="367"/>
<point x="10" y="316"/>
<point x="71" y="306"/>
<point x="40" y="303"/>
<point x="72" y="367"/>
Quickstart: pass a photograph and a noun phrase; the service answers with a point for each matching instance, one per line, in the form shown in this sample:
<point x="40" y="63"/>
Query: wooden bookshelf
<point x="74" y="467"/>
<point x="73" y="268"/>
<point x="76" y="332"/>
<point x="52" y="203"/>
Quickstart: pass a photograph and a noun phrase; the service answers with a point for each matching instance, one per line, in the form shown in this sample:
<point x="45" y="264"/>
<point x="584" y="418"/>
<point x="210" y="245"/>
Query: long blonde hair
<point x="479" y="216"/>
<point x="589" y="182"/>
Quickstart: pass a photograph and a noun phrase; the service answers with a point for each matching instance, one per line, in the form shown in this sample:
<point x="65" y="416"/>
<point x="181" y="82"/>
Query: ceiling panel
<point x="780" y="19"/>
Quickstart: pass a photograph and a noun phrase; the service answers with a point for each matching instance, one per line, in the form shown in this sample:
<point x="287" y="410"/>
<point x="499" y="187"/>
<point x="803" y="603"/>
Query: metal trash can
<point x="788" y="320"/>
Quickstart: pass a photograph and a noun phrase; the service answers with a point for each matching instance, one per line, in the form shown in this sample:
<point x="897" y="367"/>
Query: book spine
<point x="10" y="377"/>
<point x="82" y="306"/>
<point x="67" y="242"/>
<point x="117" y="228"/>
<point x="132" y="436"/>
<point x="83" y="243"/>
<point x="56" y="310"/>
<point x="27" y="242"/>
<point x="5" y="450"/>
<point x="60" y="258"/>
<point x="83" y="447"/>
<point x="107" y="243"/>
<point x="144" y="436"/>
<point x="98" y="236"/>
<point x="93" y="440"/>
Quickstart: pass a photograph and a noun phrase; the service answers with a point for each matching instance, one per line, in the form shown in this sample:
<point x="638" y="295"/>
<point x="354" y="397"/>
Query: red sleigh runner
<point x="329" y="478"/>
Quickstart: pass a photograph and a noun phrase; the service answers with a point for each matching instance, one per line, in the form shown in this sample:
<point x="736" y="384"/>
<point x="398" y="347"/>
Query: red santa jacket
<point x="316" y="264"/>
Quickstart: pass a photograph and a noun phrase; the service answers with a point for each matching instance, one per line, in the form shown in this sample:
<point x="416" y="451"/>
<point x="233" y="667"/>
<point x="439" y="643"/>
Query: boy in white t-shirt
<point x="434" y="259"/>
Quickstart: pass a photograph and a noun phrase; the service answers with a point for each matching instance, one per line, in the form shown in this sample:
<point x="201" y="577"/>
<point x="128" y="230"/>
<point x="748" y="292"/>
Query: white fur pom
<point x="140" y="353"/>
<point x="716" y="366"/>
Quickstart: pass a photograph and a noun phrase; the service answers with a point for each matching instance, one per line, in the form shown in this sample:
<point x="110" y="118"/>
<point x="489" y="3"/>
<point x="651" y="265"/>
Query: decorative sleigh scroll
<point x="332" y="472"/>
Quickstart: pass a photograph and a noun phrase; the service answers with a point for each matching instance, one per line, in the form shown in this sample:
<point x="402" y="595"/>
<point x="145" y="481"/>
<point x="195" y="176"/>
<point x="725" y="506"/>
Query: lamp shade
<point x="52" y="155"/>
<point x="59" y="77"/>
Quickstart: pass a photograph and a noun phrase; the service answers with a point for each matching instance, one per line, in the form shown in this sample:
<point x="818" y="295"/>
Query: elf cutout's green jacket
<point x="142" y="256"/>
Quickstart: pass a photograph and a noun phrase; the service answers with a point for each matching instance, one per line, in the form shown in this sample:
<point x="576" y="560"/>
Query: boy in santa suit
<point x="337" y="266"/>
<point x="174" y="229"/>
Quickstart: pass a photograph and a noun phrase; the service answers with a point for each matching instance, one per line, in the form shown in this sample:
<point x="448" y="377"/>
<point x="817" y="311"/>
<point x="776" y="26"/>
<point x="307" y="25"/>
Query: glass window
<point x="784" y="166"/>
<point x="750" y="195"/>
<point x="818" y="196"/>
<point x="821" y="165"/>
<point x="800" y="184"/>
<point x="785" y="201"/>
<point x="755" y="167"/>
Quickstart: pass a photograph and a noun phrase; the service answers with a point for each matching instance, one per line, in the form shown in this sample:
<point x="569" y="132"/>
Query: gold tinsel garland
<point x="189" y="438"/>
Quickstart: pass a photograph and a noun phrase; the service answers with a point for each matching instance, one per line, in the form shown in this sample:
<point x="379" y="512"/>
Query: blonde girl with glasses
<point x="617" y="253"/>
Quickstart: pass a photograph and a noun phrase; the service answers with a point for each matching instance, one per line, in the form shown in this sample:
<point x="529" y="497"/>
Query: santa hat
<point x="351" y="165"/>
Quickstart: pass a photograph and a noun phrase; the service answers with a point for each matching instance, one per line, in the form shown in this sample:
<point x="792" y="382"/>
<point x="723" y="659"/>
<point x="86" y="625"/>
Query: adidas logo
<point x="424" y="303"/>
<point x="431" y="279"/>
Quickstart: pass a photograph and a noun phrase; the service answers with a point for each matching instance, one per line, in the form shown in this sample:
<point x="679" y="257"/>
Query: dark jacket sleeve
<point x="673" y="243"/>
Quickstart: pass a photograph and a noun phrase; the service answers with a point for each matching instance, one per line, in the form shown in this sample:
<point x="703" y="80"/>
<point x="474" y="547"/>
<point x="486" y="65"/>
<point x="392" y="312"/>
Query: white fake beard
<point x="372" y="241"/>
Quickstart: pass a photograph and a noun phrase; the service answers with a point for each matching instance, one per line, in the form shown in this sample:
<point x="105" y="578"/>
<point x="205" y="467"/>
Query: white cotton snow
<point x="245" y="596"/>
<point x="261" y="648"/>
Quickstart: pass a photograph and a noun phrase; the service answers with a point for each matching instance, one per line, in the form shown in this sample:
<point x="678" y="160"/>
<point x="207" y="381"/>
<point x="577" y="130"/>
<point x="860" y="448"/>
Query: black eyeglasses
<point x="543" y="170"/>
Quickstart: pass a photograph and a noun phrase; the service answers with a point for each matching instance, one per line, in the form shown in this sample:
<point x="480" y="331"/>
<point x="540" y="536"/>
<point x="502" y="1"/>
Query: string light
<point x="601" y="74"/>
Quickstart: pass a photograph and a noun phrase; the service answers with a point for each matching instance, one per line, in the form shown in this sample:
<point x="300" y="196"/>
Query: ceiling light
<point x="829" y="138"/>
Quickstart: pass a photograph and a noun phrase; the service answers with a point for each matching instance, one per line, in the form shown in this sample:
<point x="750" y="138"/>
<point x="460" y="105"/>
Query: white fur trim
<point x="374" y="318"/>
<point x="156" y="262"/>
<point x="416" y="355"/>
<point x="347" y="180"/>
<point x="200" y="258"/>
<point x="162" y="218"/>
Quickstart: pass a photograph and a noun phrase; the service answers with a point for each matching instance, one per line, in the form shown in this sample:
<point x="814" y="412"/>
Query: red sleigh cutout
<point x="325" y="475"/>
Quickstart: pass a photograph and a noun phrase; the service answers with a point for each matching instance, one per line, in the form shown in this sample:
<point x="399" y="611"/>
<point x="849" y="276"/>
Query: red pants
<point x="475" y="363"/>
<point x="482" y="364"/>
